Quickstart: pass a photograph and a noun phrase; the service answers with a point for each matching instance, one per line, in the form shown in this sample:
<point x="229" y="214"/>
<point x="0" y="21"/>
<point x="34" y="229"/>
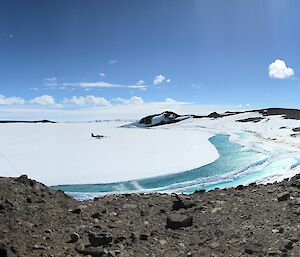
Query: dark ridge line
<point x="27" y="121"/>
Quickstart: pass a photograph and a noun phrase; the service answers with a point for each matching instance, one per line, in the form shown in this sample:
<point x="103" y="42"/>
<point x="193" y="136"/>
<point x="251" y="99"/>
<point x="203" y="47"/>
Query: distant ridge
<point x="168" y="117"/>
<point x="27" y="121"/>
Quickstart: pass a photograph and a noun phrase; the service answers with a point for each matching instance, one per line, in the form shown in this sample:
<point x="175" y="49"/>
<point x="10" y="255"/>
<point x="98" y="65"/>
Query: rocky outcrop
<point x="254" y="220"/>
<point x="163" y="118"/>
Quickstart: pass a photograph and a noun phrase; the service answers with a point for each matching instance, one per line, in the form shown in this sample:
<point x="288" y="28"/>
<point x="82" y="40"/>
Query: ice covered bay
<point x="65" y="153"/>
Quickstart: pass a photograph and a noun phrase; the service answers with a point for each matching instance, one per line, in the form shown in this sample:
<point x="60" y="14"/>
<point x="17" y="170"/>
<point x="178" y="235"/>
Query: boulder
<point x="74" y="237"/>
<point x="100" y="239"/>
<point x="181" y="203"/>
<point x="283" y="196"/>
<point x="177" y="220"/>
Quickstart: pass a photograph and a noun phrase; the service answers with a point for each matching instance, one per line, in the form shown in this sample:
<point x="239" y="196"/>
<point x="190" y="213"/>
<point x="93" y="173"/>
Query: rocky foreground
<point x="256" y="220"/>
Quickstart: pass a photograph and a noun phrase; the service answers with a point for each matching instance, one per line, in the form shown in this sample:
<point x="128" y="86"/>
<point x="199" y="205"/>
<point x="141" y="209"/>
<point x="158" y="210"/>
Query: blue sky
<point x="56" y="53"/>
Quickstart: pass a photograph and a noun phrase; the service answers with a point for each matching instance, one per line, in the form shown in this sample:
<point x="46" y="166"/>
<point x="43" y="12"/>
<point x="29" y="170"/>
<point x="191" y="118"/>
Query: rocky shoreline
<point x="257" y="220"/>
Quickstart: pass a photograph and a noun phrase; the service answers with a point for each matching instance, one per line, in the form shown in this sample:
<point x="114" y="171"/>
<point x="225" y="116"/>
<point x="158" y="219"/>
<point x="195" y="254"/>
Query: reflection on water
<point x="236" y="165"/>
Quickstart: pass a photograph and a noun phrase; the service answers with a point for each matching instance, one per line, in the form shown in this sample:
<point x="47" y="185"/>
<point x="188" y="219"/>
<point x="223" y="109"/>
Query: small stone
<point x="283" y="196"/>
<point x="253" y="248"/>
<point x="240" y="187"/>
<point x="96" y="215"/>
<point x="100" y="239"/>
<point x="214" y="245"/>
<point x="144" y="237"/>
<point x="76" y="211"/>
<point x="79" y="247"/>
<point x="129" y="206"/>
<point x="216" y="209"/>
<point x="74" y="237"/>
<point x="93" y="251"/>
<point x="162" y="241"/>
<point x="2" y="209"/>
<point x="288" y="245"/>
<point x="181" y="203"/>
<point x="39" y="247"/>
<point x="177" y="220"/>
<point x="48" y="231"/>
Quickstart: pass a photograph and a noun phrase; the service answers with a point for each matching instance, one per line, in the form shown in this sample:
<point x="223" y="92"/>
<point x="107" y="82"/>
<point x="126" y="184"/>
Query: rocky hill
<point x="258" y="220"/>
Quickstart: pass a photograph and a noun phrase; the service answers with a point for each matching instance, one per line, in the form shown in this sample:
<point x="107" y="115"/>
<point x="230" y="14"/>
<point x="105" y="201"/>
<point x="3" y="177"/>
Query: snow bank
<point x="65" y="153"/>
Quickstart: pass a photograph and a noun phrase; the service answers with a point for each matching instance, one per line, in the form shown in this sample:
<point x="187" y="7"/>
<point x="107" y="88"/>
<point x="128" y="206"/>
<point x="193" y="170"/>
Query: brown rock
<point x="177" y="220"/>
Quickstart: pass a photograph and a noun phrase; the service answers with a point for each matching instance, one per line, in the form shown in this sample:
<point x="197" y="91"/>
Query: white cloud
<point x="51" y="79"/>
<point x="140" y="83"/>
<point x="170" y="100"/>
<point x="102" y="84"/>
<point x="159" y="79"/>
<point x="87" y="100"/>
<point x="135" y="100"/>
<point x="11" y="100"/>
<point x="112" y="61"/>
<point x="279" y="70"/>
<point x="51" y="82"/>
<point x="43" y="100"/>
<point x="102" y="74"/>
<point x="168" y="80"/>
<point x="34" y="88"/>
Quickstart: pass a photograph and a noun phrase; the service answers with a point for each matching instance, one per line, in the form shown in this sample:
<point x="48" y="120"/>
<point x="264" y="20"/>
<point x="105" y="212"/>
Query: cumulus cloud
<point x="102" y="74"/>
<point x="140" y="83"/>
<point x="51" y="82"/>
<point x="159" y="79"/>
<point x="43" y="100"/>
<point x="87" y="100"/>
<point x="102" y="84"/>
<point x="11" y="100"/>
<point x="135" y="100"/>
<point x="279" y="70"/>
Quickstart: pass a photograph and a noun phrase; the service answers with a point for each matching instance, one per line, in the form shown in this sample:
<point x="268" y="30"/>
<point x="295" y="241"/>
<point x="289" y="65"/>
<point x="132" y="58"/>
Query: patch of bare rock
<point x="254" y="220"/>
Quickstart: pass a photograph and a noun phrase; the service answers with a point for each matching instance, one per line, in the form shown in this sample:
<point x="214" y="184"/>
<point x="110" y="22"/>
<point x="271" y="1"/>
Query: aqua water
<point x="236" y="165"/>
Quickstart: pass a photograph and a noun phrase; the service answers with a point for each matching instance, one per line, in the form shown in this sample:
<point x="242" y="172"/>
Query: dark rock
<point x="181" y="203"/>
<point x="6" y="251"/>
<point x="76" y="211"/>
<point x="200" y="191"/>
<point x="254" y="119"/>
<point x="119" y="239"/>
<point x="214" y="115"/>
<point x="253" y="248"/>
<point x="100" y="239"/>
<point x="94" y="251"/>
<point x="177" y="220"/>
<point x="288" y="244"/>
<point x="96" y="215"/>
<point x="144" y="237"/>
<point x="283" y="196"/>
<point x="74" y="237"/>
<point x="240" y="187"/>
<point x="296" y="129"/>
